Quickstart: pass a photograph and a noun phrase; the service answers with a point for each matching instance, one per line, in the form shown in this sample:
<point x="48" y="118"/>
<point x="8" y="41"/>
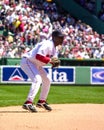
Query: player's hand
<point x="55" y="62"/>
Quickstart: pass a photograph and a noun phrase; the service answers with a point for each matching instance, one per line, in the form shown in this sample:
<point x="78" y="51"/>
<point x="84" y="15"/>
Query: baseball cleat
<point x="29" y="107"/>
<point x="43" y="105"/>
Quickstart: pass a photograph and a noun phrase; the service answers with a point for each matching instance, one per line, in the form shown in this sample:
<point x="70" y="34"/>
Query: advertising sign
<point x="14" y="74"/>
<point x="97" y="75"/>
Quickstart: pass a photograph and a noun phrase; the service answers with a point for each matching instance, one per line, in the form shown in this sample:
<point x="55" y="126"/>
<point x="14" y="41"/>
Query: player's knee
<point x="47" y="80"/>
<point x="38" y="79"/>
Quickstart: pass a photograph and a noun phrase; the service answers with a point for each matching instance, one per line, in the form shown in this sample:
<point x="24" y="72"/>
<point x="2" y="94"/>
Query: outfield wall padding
<point x="82" y="75"/>
<point x="62" y="75"/>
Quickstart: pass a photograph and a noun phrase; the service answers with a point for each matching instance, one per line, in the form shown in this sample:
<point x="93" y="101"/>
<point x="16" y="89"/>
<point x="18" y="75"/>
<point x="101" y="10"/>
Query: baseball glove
<point x="55" y="62"/>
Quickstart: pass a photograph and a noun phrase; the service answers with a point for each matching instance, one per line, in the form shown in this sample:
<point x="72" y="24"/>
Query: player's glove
<point x="55" y="62"/>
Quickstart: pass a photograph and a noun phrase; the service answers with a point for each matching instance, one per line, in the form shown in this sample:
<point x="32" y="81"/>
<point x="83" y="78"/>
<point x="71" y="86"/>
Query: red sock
<point x="41" y="101"/>
<point x="28" y="102"/>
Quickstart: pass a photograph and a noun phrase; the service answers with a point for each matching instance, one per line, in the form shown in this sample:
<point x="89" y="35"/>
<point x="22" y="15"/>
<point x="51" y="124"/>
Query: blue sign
<point x="14" y="74"/>
<point x="97" y="75"/>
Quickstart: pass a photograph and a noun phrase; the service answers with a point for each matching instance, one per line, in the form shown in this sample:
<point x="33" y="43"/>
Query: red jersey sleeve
<point x="43" y="59"/>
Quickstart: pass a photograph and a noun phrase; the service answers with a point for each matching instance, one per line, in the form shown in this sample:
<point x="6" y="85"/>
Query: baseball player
<point x="32" y="64"/>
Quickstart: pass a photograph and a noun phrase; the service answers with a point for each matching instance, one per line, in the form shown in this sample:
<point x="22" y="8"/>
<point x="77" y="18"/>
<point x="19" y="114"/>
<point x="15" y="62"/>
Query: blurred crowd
<point x="24" y="23"/>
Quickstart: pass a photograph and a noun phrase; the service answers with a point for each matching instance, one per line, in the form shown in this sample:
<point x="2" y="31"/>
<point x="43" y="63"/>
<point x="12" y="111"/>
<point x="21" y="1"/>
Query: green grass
<point x="12" y="95"/>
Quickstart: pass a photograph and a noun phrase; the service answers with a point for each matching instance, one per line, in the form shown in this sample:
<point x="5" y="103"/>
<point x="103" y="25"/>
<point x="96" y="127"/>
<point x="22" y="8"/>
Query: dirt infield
<point x="63" y="117"/>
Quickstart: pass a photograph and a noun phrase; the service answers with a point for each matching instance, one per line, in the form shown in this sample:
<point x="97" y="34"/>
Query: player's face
<point x="58" y="41"/>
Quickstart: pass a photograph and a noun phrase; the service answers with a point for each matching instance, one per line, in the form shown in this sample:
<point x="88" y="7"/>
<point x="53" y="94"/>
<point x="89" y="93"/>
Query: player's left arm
<point x="42" y="58"/>
<point x="43" y="54"/>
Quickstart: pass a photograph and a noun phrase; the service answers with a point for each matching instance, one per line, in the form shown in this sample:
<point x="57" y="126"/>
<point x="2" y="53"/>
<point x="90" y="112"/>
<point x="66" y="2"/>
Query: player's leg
<point x="32" y="72"/>
<point x="44" y="90"/>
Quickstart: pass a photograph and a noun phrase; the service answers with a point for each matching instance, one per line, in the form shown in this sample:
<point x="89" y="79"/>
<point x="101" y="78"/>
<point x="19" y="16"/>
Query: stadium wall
<point x="64" y="62"/>
<point x="62" y="75"/>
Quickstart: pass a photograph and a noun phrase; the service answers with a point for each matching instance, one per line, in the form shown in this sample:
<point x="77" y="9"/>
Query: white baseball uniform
<point x="32" y="64"/>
